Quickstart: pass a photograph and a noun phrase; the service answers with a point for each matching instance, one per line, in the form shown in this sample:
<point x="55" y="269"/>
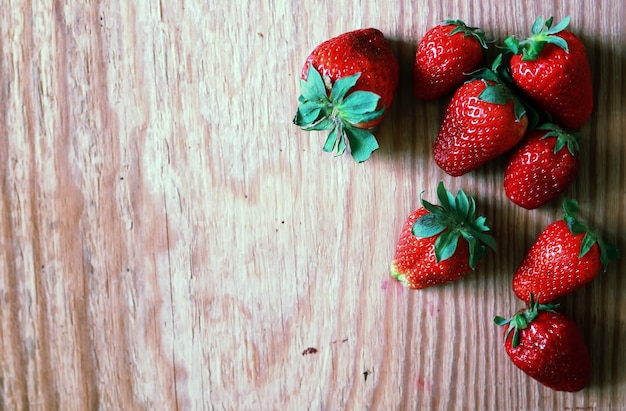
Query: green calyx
<point x="607" y="251"/>
<point x="563" y="138"/>
<point x="452" y="220"/>
<point x="467" y="31"/>
<point x="339" y="113"/>
<point x="542" y="33"/>
<point x="522" y="319"/>
<point x="496" y="90"/>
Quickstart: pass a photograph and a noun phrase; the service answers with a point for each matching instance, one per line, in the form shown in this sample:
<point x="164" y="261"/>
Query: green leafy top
<point x="542" y="34"/>
<point x="497" y="91"/>
<point x="452" y="219"/>
<point x="522" y="319"/>
<point x="563" y="138"/>
<point x="466" y="30"/>
<point x="607" y="251"/>
<point x="338" y="112"/>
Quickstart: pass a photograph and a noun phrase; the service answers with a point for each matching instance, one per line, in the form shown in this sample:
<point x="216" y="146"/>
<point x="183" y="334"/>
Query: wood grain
<point x="169" y="240"/>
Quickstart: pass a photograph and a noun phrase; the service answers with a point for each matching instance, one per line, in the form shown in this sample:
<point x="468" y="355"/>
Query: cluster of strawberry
<point x="528" y="103"/>
<point x="542" y="342"/>
<point x="532" y="99"/>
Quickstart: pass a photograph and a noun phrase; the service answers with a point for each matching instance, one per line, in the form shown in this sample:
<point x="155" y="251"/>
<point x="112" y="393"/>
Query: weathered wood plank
<point x="169" y="240"/>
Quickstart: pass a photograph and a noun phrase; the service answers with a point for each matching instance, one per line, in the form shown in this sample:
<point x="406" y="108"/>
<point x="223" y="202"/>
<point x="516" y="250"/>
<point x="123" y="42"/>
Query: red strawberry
<point x="565" y="256"/>
<point x="552" y="70"/>
<point x="548" y="347"/>
<point x="347" y="84"/>
<point x="542" y="166"/>
<point x="429" y="251"/>
<point x="482" y="121"/>
<point x="445" y="55"/>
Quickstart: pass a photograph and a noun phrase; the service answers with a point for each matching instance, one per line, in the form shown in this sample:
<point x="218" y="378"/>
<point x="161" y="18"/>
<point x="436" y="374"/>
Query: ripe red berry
<point x="551" y="68"/>
<point x="542" y="166"/>
<point x="482" y="121"/>
<point x="347" y="85"/>
<point x="567" y="255"/>
<point x="440" y="243"/>
<point x="547" y="346"/>
<point x="445" y="56"/>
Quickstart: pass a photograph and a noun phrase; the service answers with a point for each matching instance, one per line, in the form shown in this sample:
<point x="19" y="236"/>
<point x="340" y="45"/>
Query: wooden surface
<point x="170" y="241"/>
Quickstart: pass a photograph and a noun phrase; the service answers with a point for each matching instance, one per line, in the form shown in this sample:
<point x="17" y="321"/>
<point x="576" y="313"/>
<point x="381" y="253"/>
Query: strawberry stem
<point x="522" y="319"/>
<point x="542" y="33"/>
<point x="453" y="219"/>
<point x="498" y="90"/>
<point x="467" y="31"/>
<point x="339" y="111"/>
<point x="607" y="251"/>
<point x="563" y="138"/>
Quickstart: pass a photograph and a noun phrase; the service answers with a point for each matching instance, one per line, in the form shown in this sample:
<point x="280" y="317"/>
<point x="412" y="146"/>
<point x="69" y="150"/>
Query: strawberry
<point x="347" y="84"/>
<point x="444" y="57"/>
<point x="440" y="243"/>
<point x="551" y="69"/>
<point x="566" y="255"/>
<point x="548" y="346"/>
<point x="482" y="121"/>
<point x="542" y="166"/>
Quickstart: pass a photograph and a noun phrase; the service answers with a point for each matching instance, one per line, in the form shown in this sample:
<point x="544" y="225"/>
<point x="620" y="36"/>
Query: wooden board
<point x="169" y="240"/>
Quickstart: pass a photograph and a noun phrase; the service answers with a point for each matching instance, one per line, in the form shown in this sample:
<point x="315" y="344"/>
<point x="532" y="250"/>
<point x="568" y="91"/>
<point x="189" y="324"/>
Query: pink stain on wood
<point x="430" y="307"/>
<point x="399" y="287"/>
<point x="423" y="384"/>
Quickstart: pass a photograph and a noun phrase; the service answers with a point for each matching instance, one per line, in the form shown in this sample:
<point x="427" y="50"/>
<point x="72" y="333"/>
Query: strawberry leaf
<point x="343" y="86"/>
<point x="323" y="124"/>
<point x="589" y="241"/>
<point x="570" y="209"/>
<point x="362" y="143"/>
<point x="313" y="88"/>
<point x="341" y="146"/>
<point x="360" y="107"/>
<point x="427" y="225"/>
<point x="462" y="204"/>
<point x="486" y="239"/>
<point x="496" y="94"/>
<point x="499" y="93"/>
<point x="511" y="44"/>
<point x="558" y="41"/>
<point x="446" y="199"/>
<point x="431" y="208"/>
<point x="539" y="24"/>
<point x="331" y="141"/>
<point x="446" y="244"/>
<point x="309" y="112"/>
<point x="607" y="252"/>
<point x="480" y="222"/>
<point x="520" y="110"/>
<point x="476" y="250"/>
<point x="559" y="27"/>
